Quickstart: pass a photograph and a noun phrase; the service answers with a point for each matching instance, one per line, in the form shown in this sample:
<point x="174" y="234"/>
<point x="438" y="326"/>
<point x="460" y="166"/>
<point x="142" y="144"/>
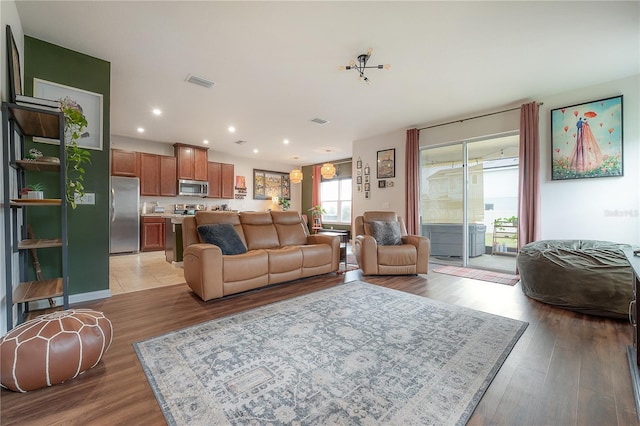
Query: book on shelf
<point x="37" y="102"/>
<point x="40" y="107"/>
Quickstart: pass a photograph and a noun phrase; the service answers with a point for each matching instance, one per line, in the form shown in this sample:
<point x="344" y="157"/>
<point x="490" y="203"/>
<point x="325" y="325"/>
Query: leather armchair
<point x="409" y="258"/>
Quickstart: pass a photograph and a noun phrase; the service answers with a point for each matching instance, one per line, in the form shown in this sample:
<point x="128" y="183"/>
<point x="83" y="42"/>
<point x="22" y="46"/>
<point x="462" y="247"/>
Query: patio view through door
<point x="472" y="224"/>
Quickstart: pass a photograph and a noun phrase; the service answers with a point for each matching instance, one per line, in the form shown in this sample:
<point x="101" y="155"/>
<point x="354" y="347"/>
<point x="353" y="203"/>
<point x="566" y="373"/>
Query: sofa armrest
<point x="333" y="242"/>
<point x="366" y="249"/>
<point x="202" y="265"/>
<point x="423" y="246"/>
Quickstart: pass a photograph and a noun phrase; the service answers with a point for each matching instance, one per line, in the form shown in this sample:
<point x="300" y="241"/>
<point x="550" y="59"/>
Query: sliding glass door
<point x="469" y="196"/>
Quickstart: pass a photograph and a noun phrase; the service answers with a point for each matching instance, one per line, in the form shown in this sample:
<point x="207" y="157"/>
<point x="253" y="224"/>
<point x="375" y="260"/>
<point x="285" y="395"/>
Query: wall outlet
<point x="88" y="198"/>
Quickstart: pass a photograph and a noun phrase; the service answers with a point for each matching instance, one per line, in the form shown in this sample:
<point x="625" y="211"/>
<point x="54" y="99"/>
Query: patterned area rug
<point x="479" y="274"/>
<point x="352" y="354"/>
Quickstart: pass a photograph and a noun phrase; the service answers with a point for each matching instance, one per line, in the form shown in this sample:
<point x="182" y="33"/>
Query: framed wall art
<point x="386" y="161"/>
<point x="267" y="185"/>
<point x="89" y="103"/>
<point x="15" y="76"/>
<point x="586" y="140"/>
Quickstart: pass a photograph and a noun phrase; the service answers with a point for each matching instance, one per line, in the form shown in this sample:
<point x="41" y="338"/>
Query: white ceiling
<point x="275" y="64"/>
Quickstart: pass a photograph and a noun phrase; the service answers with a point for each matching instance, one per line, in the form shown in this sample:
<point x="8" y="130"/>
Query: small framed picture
<point x="389" y="183"/>
<point x="359" y="164"/>
<point x="359" y="172"/>
<point x="367" y="187"/>
<point x="382" y="184"/>
<point x="366" y="178"/>
<point x="366" y="195"/>
<point x="359" y="180"/>
<point x="359" y="188"/>
<point x="366" y="169"/>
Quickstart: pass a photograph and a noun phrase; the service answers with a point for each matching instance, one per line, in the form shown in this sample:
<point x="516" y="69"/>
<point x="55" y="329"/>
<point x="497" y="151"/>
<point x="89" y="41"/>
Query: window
<point x="335" y="198"/>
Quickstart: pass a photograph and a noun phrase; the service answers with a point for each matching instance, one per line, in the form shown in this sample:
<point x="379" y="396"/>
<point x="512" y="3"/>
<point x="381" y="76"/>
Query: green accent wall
<point x="88" y="225"/>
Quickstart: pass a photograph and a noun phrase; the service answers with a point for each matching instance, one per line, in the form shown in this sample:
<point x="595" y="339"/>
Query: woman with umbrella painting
<point x="586" y="155"/>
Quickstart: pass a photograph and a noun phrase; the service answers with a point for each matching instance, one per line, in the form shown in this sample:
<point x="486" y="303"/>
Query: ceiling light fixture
<point x="328" y="170"/>
<point x="232" y="129"/>
<point x="206" y="142"/>
<point x="286" y="141"/>
<point x="296" y="176"/>
<point x="140" y="130"/>
<point x="157" y="111"/>
<point x="361" y="65"/>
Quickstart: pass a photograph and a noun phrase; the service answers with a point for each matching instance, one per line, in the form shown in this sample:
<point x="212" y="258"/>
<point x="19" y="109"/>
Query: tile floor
<point x="134" y="272"/>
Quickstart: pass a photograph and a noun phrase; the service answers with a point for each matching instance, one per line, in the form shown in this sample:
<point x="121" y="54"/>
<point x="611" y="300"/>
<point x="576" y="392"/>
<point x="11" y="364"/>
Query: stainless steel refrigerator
<point x="125" y="215"/>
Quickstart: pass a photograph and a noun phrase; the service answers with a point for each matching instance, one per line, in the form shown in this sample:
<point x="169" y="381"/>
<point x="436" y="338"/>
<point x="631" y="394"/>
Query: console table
<point x="633" y="352"/>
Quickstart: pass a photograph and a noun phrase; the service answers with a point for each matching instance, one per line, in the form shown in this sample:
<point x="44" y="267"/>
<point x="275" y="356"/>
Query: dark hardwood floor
<point x="566" y="369"/>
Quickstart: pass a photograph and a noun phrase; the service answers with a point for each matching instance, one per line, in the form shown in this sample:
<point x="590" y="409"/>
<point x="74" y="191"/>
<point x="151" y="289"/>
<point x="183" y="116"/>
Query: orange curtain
<point x="412" y="182"/>
<point x="529" y="176"/>
<point x="315" y="192"/>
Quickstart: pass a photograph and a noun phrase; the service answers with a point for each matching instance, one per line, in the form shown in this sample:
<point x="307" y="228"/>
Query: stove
<point x="188" y="209"/>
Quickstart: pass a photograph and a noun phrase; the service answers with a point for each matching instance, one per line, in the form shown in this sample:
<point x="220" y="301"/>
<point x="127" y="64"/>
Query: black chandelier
<point x="361" y="65"/>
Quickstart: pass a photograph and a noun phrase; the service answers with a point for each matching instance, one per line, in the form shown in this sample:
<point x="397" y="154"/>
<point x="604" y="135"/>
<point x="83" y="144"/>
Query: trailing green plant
<point x="284" y="203"/>
<point x="74" y="125"/>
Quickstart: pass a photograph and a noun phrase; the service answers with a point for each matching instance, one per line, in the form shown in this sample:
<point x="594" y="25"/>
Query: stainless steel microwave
<point x="196" y="188"/>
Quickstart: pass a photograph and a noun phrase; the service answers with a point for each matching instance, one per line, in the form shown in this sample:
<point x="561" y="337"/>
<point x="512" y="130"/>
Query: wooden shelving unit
<point x="19" y="122"/>
<point x="504" y="231"/>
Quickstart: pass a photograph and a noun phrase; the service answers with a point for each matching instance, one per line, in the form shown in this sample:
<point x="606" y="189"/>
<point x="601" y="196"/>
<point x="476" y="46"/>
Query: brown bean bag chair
<point x="53" y="348"/>
<point x="590" y="277"/>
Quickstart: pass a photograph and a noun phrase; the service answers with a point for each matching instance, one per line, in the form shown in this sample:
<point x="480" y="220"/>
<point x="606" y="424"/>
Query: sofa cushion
<point x="290" y="228"/>
<point x="215" y="217"/>
<point x="224" y="236"/>
<point x="386" y="233"/>
<point x="259" y="230"/>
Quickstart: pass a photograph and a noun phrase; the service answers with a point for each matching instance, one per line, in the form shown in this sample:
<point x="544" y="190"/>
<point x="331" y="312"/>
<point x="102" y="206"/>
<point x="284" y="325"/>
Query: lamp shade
<point x="296" y="176"/>
<point x="328" y="170"/>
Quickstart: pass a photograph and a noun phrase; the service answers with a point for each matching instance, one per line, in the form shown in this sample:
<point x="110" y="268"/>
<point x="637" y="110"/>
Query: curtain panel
<point x="412" y="182"/>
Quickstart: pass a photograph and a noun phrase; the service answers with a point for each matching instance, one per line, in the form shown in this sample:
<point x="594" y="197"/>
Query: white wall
<point x="8" y="16"/>
<point x="603" y="209"/>
<point x="391" y="199"/>
<point x="243" y="167"/>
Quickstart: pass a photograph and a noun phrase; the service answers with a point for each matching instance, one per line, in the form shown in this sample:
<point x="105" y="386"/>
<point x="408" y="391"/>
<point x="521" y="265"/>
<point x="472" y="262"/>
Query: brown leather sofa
<point x="279" y="249"/>
<point x="410" y="255"/>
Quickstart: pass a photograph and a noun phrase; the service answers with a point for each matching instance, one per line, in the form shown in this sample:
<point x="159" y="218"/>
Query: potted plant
<point x="316" y="216"/>
<point x="74" y="125"/>
<point x="284" y="203"/>
<point x="34" y="191"/>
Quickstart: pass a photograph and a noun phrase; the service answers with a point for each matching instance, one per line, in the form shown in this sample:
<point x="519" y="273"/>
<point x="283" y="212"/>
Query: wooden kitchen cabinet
<point x="158" y="175"/>
<point x="152" y="234"/>
<point x="191" y="162"/>
<point x="168" y="181"/>
<point x="221" y="180"/>
<point x="124" y="163"/>
<point x="149" y="174"/>
<point x="228" y="180"/>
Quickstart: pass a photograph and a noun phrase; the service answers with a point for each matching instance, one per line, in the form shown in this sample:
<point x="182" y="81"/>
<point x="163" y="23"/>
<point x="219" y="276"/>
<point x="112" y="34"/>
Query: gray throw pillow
<point x="223" y="235"/>
<point x="386" y="233"/>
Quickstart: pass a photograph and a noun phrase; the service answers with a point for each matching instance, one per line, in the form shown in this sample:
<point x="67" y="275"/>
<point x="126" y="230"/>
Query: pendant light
<point x="296" y="176"/>
<point x="328" y="171"/>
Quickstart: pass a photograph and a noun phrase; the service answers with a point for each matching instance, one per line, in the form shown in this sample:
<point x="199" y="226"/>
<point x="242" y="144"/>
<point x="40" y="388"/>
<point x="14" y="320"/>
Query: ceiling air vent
<point x="319" y="121"/>
<point x="199" y="81"/>
<point x="240" y="142"/>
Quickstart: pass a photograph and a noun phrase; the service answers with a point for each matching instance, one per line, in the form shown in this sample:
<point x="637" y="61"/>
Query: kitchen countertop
<point x="165" y="215"/>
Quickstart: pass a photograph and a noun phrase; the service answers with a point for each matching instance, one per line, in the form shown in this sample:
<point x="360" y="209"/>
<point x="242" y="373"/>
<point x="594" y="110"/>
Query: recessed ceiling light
<point x="286" y="141"/>
<point x="140" y="129"/>
<point x="206" y="142"/>
<point x="232" y="129"/>
<point x="157" y="111"/>
<point x="255" y="151"/>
